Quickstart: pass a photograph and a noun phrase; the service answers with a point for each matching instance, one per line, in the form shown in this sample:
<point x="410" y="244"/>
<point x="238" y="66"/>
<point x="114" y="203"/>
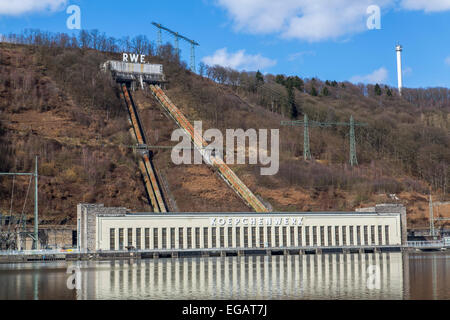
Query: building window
<point x="372" y="235"/>
<point x="197" y="238"/>
<point x="189" y="238"/>
<point x="138" y="238"/>
<point x="314" y="229"/>
<point x="261" y="237"/>
<point x="112" y="239"/>
<point x="322" y="235"/>
<point x="277" y="237"/>
<point x="386" y="235"/>
<point x="180" y="238"/>
<point x="130" y="237"/>
<point x="121" y="239"/>
<point x="284" y="230"/>
<point x="292" y="232"/>
<point x="307" y="236"/>
<point x="366" y="236"/>
<point x="222" y="237"/>
<point x="205" y="237"/>
<point x="238" y="237"/>
<point x="164" y="238"/>
<point x="330" y="238"/>
<point x="358" y="235"/>
<point x="230" y="237"/>
<point x="336" y="235"/>
<point x="380" y="236"/>
<point x="147" y="238"/>
<point x="172" y="238"/>
<point x="253" y="237"/>
<point x="269" y="237"/>
<point x="245" y="237"/>
<point x="299" y="236"/>
<point x="344" y="235"/>
<point x="351" y="235"/>
<point x="155" y="238"/>
<point x="214" y="237"/>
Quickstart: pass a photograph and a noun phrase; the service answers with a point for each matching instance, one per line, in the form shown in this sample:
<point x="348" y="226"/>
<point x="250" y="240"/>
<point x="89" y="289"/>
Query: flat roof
<point x="216" y="214"/>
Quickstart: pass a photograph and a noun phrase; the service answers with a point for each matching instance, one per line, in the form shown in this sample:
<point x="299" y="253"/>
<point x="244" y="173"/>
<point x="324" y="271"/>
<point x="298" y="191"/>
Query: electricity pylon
<point x="306" y="150"/>
<point x="35" y="174"/>
<point x="353" y="159"/>
<point x="310" y="124"/>
<point x="177" y="36"/>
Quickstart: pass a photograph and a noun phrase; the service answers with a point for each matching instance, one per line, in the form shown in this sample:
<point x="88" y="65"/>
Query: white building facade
<point x="112" y="229"/>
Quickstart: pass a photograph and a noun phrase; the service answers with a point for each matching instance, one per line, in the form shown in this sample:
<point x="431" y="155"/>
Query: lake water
<point x="327" y="276"/>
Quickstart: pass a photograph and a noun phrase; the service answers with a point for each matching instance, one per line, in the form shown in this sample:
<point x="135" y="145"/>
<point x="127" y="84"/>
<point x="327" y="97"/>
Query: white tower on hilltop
<point x="399" y="48"/>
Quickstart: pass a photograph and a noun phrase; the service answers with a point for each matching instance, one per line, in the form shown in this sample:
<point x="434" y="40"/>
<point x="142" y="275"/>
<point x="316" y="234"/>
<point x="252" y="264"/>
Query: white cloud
<point x="299" y="55"/>
<point x="426" y="5"/>
<point x="239" y="60"/>
<point x="407" y="71"/>
<point x="447" y="61"/>
<point x="18" y="7"/>
<point x="378" y="76"/>
<point x="309" y="20"/>
<point x="314" y="20"/>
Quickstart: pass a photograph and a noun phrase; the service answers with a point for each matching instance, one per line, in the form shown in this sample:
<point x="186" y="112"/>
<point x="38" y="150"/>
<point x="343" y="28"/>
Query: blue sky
<point x="310" y="38"/>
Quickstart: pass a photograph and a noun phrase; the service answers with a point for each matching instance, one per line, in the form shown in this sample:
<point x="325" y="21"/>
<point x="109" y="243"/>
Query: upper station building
<point x="101" y="228"/>
<point x="134" y="70"/>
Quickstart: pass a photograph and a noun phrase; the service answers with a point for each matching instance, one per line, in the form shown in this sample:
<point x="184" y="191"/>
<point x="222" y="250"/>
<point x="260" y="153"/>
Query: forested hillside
<point x="55" y="102"/>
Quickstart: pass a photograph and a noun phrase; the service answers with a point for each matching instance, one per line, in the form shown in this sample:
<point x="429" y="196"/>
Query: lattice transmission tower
<point x="177" y="37"/>
<point x="306" y="123"/>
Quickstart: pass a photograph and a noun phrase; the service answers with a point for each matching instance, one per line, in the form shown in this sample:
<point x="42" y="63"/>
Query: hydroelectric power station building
<point x="162" y="232"/>
<point x="113" y="229"/>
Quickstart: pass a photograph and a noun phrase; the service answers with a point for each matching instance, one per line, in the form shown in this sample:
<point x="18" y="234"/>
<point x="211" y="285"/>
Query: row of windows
<point x="343" y="236"/>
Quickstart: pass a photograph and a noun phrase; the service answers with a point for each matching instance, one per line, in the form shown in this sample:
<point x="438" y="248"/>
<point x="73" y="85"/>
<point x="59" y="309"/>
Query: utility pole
<point x="35" y="234"/>
<point x="398" y="49"/>
<point x="306" y="150"/>
<point x="36" y="211"/>
<point x="159" y="41"/>
<point x="353" y="159"/>
<point x="431" y="216"/>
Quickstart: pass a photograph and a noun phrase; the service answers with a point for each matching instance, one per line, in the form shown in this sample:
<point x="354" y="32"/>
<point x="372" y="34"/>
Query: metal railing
<point x="38" y="252"/>
<point x="426" y="244"/>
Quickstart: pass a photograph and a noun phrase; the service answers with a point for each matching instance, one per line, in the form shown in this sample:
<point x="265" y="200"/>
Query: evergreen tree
<point x="377" y="90"/>
<point x="298" y="83"/>
<point x="280" y="79"/>
<point x="314" y="91"/>
<point x="259" y="78"/>
<point x="325" y="91"/>
<point x="292" y="108"/>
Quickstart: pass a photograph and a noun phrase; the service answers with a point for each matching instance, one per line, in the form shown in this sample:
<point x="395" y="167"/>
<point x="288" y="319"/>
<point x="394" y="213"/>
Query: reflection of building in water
<point x="101" y="228"/>
<point x="326" y="276"/>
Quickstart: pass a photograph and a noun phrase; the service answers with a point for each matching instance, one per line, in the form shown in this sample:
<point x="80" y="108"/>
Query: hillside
<point x="55" y="102"/>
